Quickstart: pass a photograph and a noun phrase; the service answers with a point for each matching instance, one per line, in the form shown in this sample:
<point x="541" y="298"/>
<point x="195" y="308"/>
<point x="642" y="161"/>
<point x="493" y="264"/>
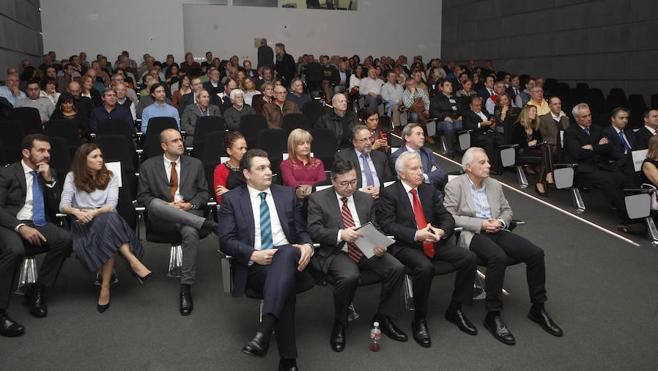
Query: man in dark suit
<point x="488" y="90"/>
<point x="478" y="205"/>
<point x="213" y="86"/>
<point x="28" y="204"/>
<point x="372" y="167"/>
<point x="265" y="55"/>
<point x="173" y="188"/>
<point x="622" y="143"/>
<point x="414" y="141"/>
<point x="585" y="145"/>
<point x="645" y="133"/>
<point x="413" y="213"/>
<point x="263" y="229"/>
<point x="285" y="65"/>
<point x="483" y="132"/>
<point x="333" y="216"/>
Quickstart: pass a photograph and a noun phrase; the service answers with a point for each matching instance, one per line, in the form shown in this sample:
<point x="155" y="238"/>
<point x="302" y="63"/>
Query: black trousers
<point x="461" y="259"/>
<point x="495" y="249"/>
<point x="345" y="272"/>
<point x="277" y="283"/>
<point x="489" y="142"/>
<point x="611" y="184"/>
<point x="13" y="248"/>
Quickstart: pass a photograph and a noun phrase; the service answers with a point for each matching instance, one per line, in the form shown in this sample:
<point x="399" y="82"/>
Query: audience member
<point x="110" y="111"/>
<point x="265" y="55"/>
<point x="159" y="108"/>
<point x="35" y="100"/>
<point x="552" y="123"/>
<point x="416" y="102"/>
<point x="301" y="171"/>
<point x="49" y="90"/>
<point x="235" y="147"/>
<point x="526" y="135"/>
<point x="123" y="101"/>
<point x="507" y="115"/>
<point x="278" y="107"/>
<point x="233" y="114"/>
<point x="249" y="89"/>
<point x="483" y="132"/>
<point x="285" y="65"/>
<point x="537" y="100"/>
<point x="645" y="133"/>
<point x="490" y="104"/>
<point x="378" y="138"/>
<point x="650" y="164"/>
<point x="370" y="88"/>
<point x="413" y="140"/>
<point x="392" y="96"/>
<point x="297" y="94"/>
<point x="191" y="114"/>
<point x="447" y="111"/>
<point x="11" y="91"/>
<point x="340" y="120"/>
<point x="622" y="143"/>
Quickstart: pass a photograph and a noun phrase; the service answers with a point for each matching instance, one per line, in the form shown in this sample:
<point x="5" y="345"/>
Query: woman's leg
<point x="135" y="264"/>
<point x="106" y="274"/>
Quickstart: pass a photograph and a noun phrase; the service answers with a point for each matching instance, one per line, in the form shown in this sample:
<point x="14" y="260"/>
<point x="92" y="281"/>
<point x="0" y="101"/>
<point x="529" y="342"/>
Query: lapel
<point x="184" y="171"/>
<point x="361" y="211"/>
<point x="277" y="197"/>
<point x="406" y="205"/>
<point x="333" y="209"/>
<point x="492" y="198"/>
<point x="468" y="195"/>
<point x="160" y="168"/>
<point x="379" y="165"/>
<point x="425" y="197"/>
<point x="354" y="158"/>
<point x="20" y="175"/>
<point x="247" y="212"/>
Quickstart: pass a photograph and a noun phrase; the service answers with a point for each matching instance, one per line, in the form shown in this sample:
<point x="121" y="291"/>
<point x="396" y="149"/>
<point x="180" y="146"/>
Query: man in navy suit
<point x="622" y="141"/>
<point x="414" y="141"/>
<point x="262" y="227"/>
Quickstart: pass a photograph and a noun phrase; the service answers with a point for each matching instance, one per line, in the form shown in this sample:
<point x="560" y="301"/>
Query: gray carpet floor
<point x="601" y="291"/>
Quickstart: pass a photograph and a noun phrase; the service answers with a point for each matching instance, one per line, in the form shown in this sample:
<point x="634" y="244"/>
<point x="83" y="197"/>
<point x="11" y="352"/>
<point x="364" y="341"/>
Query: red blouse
<point x="295" y="173"/>
<point x="220" y="177"/>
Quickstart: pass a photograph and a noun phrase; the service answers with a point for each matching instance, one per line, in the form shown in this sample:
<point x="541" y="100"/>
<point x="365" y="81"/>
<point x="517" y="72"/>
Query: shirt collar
<point x="409" y="149"/>
<point x="651" y="130"/>
<point x="26" y="169"/>
<point x="407" y="188"/>
<point x="254" y="193"/>
<point x="473" y="187"/>
<point x="168" y="162"/>
<point x="340" y="198"/>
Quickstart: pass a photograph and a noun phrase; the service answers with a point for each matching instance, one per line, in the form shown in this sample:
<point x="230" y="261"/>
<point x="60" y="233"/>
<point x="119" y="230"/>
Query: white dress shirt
<point x="167" y="165"/>
<point x="25" y="213"/>
<point x="278" y="237"/>
<point x="355" y="215"/>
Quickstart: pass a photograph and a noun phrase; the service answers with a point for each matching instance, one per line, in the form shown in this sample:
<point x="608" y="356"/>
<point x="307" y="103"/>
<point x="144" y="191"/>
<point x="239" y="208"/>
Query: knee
<point x="425" y="271"/>
<point x="538" y="254"/>
<point x="288" y="253"/>
<point x="188" y="233"/>
<point x="470" y="260"/>
<point x="350" y="280"/>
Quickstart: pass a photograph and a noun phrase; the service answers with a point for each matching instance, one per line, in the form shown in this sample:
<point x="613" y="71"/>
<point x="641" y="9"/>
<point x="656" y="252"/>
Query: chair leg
<point x="478" y="288"/>
<point x="578" y="200"/>
<point x="443" y="145"/>
<point x="175" y="261"/>
<point x="408" y="293"/>
<point x="113" y="280"/>
<point x="483" y="276"/>
<point x="523" y="181"/>
<point x="260" y="311"/>
<point x="28" y="274"/>
<point x="652" y="230"/>
<point x="352" y="315"/>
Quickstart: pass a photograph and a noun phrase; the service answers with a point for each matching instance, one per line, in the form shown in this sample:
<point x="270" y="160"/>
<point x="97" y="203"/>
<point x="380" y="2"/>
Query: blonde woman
<point x="650" y="164"/>
<point x="525" y="133"/>
<point x="300" y="170"/>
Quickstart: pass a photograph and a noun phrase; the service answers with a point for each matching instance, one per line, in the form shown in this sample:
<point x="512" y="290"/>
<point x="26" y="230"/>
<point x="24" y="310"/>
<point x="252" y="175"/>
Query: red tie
<point x="428" y="247"/>
<point x="352" y="250"/>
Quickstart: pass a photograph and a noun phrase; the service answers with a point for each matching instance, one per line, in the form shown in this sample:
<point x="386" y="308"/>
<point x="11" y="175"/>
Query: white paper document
<point x="115" y="168"/>
<point x="371" y="238"/>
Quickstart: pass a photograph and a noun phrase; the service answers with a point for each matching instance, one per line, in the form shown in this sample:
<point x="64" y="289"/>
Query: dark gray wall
<point x="20" y="33"/>
<point x="605" y="43"/>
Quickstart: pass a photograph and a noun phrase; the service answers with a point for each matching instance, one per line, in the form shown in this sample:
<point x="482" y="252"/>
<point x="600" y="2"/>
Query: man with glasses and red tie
<point x="412" y="211"/>
<point x="333" y="216"/>
<point x="28" y="204"/>
<point x="263" y="229"/>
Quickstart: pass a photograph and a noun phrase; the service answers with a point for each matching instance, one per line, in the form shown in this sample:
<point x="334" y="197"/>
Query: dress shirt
<point x="410" y="196"/>
<point x="159" y="110"/>
<point x="368" y="85"/>
<point x="557" y="117"/>
<point x="371" y="164"/>
<point x="13" y="99"/>
<point x="167" y="165"/>
<point x="25" y="213"/>
<point x="392" y="92"/>
<point x="278" y="237"/>
<point x="651" y="130"/>
<point x="481" y="203"/>
<point x="355" y="216"/>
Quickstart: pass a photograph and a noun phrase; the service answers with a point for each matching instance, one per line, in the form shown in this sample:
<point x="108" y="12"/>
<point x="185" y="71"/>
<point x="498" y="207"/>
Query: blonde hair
<point x="296" y="137"/>
<point x="524" y="118"/>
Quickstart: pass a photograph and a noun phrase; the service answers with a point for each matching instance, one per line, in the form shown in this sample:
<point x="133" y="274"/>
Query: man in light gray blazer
<point x="193" y="111"/>
<point x="477" y="204"/>
<point x="174" y="189"/>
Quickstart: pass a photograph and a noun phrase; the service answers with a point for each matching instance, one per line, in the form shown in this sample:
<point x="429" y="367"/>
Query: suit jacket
<point x="237" y="229"/>
<point x="549" y="130"/>
<point x="470" y="121"/>
<point x="343" y="127"/>
<point x="274" y="115"/>
<point x="459" y="202"/>
<point x="188" y="120"/>
<point x="188" y="99"/>
<point x="438" y="178"/>
<point x="213" y="91"/>
<point x="153" y="182"/>
<point x="484" y="93"/>
<point x="13" y="190"/>
<point x="325" y="219"/>
<point x="642" y="137"/>
<point x="395" y="215"/>
<point x="379" y="159"/>
<point x="616" y="154"/>
<point x="265" y="56"/>
<point x="588" y="161"/>
<point x="440" y="107"/>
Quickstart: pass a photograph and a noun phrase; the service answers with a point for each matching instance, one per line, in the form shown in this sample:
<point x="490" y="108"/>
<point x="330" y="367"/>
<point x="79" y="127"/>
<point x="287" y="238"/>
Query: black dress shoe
<point x="540" y="316"/>
<point x="288" y="365"/>
<point x="389" y="328"/>
<point x="337" y="340"/>
<point x="186" y="304"/>
<point x="258" y="345"/>
<point x="421" y="333"/>
<point x="101" y="308"/>
<point x="494" y="323"/>
<point x="8" y="327"/>
<point x="210" y="226"/>
<point x="458" y="317"/>
<point x="543" y="193"/>
<point x="143" y="280"/>
<point x="36" y="301"/>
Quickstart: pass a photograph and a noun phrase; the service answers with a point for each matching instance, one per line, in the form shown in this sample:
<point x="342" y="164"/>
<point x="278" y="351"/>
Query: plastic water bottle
<point x="375" y="337"/>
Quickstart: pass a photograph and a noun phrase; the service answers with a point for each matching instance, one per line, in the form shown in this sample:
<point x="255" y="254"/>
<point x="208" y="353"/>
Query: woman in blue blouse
<point x="90" y="196"/>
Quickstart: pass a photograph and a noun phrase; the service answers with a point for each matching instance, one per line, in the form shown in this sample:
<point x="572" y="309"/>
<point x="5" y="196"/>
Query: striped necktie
<point x="265" y="224"/>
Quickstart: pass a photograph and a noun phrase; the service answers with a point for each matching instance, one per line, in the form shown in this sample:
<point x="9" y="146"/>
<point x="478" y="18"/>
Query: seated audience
<point x="622" y="143"/>
<point x="297" y="94"/>
<point x="27" y="211"/>
<point x="87" y="86"/>
<point x="249" y="89"/>
<point x="466" y="90"/>
<point x="478" y="205"/>
<point x="185" y="87"/>
<point x="372" y="167"/>
<point x="124" y="101"/>
<point x="269" y="252"/>
<point x="11" y="90"/>
<point x="416" y="102"/>
<point x="235" y="146"/>
<point x="223" y="98"/>
<point x="191" y="97"/>
<point x="99" y="233"/>
<point x="413" y="213"/>
<point x="483" y="132"/>
<point x="49" y="90"/>
<point x="552" y="123"/>
<point x="279" y="107"/>
<point x="370" y="88"/>
<point x="537" y="100"/>
<point x="67" y="110"/>
<point x="202" y="108"/>
<point x="35" y="100"/>
<point x="413" y="140"/>
<point x="340" y="120"/>
<point x="525" y="134"/>
<point x="189" y="65"/>
<point x="109" y="111"/>
<point x="213" y="86"/>
<point x="238" y="108"/>
<point x="301" y="171"/>
<point x="333" y="216"/>
<point x="379" y="138"/>
<point x="392" y="96"/>
<point x="488" y="88"/>
<point x="507" y="115"/>
<point x="650" y="164"/>
<point x="260" y="100"/>
<point x="490" y="104"/>
<point x="448" y="113"/>
<point x="647" y="131"/>
<point x="159" y="108"/>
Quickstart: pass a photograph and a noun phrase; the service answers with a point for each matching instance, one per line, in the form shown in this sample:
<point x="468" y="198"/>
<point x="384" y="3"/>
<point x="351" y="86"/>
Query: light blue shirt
<point x="373" y="171"/>
<point x="6" y="93"/>
<point x="482" y="208"/>
<point x="159" y="110"/>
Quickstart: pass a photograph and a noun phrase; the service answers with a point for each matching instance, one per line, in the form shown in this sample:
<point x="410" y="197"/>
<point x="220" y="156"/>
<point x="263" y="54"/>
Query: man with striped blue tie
<point x="262" y="227"/>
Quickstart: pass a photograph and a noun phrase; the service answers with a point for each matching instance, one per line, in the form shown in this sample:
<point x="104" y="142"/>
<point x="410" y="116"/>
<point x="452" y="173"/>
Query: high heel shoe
<point x="143" y="280"/>
<point x="539" y="192"/>
<point x="102" y="307"/>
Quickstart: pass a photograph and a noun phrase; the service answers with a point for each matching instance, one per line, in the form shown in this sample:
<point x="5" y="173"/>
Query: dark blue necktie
<point x="370" y="181"/>
<point x="38" y="209"/>
<point x="627" y="146"/>
<point x="265" y="224"/>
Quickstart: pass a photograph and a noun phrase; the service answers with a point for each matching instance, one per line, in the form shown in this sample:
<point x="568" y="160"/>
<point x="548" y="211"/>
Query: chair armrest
<point x="464" y="131"/>
<point x="515" y="223"/>
<point x="572" y="165"/>
<point x="510" y="145"/>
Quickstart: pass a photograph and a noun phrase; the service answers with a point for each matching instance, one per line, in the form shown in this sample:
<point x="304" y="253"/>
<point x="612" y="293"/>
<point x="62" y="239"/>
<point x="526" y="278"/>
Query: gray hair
<point x="234" y="93"/>
<point x="406" y="130"/>
<point x="469" y="156"/>
<point x="334" y="99"/>
<point x="358" y="128"/>
<point x="292" y="83"/>
<point x="399" y="163"/>
<point x="577" y="108"/>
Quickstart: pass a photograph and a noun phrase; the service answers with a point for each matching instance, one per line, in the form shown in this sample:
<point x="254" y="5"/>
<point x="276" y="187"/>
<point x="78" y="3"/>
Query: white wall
<point x="379" y="27"/>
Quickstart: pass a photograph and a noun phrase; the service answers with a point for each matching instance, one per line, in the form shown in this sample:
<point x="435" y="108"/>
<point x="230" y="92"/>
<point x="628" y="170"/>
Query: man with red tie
<point x="412" y="211"/>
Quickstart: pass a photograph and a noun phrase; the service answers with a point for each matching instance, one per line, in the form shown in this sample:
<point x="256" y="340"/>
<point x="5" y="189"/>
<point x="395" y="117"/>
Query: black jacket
<point x="442" y="106"/>
<point x="343" y="127"/>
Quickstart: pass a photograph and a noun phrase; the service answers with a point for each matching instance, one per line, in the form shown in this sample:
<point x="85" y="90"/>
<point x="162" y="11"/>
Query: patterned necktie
<point x="348" y="222"/>
<point x="38" y="208"/>
<point x="586" y="131"/>
<point x="173" y="182"/>
<point x="421" y="222"/>
<point x="370" y="180"/>
<point x="265" y="224"/>
<point x="627" y="146"/>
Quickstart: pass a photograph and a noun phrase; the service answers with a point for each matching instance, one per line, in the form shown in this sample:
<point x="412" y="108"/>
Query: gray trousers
<point x="188" y="224"/>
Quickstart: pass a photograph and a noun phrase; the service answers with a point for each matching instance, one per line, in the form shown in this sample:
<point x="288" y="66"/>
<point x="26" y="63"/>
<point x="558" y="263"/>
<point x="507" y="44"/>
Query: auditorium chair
<point x="63" y="129"/>
<point x="115" y="127"/>
<point x="152" y="139"/>
<point x="638" y="207"/>
<point x="250" y="126"/>
<point x="205" y="126"/>
<point x="29" y="118"/>
<point x="275" y="143"/>
<point x="294" y="121"/>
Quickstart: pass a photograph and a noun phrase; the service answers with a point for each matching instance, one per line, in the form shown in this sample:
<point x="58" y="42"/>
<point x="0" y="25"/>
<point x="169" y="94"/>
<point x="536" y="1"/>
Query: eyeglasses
<point x="350" y="183"/>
